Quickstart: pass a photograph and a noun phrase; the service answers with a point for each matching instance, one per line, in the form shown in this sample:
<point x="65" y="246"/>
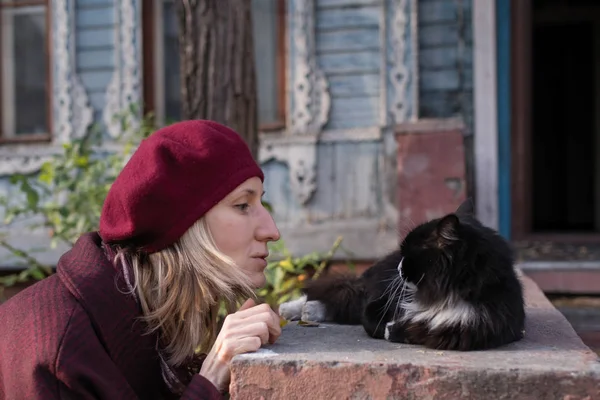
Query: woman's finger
<point x="247" y="304"/>
<point x="243" y="345"/>
<point x="259" y="329"/>
<point x="249" y="312"/>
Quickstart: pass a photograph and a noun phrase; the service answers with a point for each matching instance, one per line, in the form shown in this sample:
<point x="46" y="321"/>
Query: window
<point x="161" y="61"/>
<point x="24" y="70"/>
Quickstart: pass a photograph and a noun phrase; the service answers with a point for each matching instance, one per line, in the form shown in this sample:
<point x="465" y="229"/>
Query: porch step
<point x="342" y="362"/>
<point x="573" y="277"/>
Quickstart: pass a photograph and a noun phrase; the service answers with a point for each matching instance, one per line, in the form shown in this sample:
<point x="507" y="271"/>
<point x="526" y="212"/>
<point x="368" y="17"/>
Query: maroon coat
<point x="75" y="335"/>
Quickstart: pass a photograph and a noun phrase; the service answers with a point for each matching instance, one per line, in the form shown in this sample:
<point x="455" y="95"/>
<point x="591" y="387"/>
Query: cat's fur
<point x="450" y="286"/>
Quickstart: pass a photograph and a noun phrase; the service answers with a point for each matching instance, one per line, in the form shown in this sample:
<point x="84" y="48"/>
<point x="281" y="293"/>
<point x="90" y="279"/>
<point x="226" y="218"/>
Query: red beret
<point x="174" y="177"/>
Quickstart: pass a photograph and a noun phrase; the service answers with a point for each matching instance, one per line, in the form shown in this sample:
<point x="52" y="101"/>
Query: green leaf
<point x="308" y="324"/>
<point x="23" y="276"/>
<point x="37" y="274"/>
<point x="32" y="199"/>
<point x="287" y="265"/>
<point x="278" y="278"/>
<point x="8" y="280"/>
<point x="268" y="206"/>
<point x="289" y="284"/>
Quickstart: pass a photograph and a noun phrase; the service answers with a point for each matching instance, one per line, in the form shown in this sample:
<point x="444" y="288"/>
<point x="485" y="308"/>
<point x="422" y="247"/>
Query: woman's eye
<point x="243" y="207"/>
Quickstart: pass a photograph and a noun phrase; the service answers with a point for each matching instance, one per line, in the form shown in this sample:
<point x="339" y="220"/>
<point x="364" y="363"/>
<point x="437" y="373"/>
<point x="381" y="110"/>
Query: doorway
<point x="556" y="120"/>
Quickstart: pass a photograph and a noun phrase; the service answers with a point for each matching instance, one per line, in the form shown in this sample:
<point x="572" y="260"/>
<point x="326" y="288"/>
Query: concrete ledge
<point x="342" y="362"/>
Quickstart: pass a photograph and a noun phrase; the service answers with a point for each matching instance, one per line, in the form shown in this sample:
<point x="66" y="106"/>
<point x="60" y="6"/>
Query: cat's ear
<point x="466" y="208"/>
<point x="446" y="229"/>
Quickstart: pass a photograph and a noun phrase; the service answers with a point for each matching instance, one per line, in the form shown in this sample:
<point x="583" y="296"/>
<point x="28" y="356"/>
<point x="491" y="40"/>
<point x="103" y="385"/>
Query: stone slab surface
<point x="342" y="362"/>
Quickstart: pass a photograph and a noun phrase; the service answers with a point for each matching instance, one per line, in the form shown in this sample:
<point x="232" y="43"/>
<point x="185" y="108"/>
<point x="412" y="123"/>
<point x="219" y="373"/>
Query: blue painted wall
<point x="95" y="56"/>
<point x="504" y="122"/>
<point x="445" y="59"/>
<point x="349" y="53"/>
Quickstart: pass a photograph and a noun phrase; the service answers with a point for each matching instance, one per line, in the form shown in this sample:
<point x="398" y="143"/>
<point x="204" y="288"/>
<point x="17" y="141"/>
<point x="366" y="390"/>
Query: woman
<point x="182" y="228"/>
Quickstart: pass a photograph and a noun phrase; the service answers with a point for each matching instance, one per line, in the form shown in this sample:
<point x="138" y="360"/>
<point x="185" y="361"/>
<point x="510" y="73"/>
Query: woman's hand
<point x="243" y="331"/>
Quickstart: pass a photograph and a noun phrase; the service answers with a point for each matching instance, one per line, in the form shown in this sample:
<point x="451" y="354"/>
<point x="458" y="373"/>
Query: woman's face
<point x="242" y="227"/>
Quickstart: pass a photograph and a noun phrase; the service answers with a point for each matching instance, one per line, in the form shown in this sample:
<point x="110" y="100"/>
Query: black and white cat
<point x="450" y="286"/>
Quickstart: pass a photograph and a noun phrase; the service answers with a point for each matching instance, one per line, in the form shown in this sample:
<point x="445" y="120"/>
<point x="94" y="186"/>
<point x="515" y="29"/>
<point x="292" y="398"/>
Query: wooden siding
<point x="445" y="59"/>
<point x="95" y="57"/>
<point x="349" y="53"/>
<point x="347" y="185"/>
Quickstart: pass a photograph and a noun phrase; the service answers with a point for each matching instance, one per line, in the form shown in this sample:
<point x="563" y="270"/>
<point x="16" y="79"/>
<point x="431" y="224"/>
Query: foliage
<point x="285" y="273"/>
<point x="66" y="196"/>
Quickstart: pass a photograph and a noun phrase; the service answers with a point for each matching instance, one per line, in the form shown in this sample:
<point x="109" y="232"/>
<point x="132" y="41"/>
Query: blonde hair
<point x="180" y="289"/>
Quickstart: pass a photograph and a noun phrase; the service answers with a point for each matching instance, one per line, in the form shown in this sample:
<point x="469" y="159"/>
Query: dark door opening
<point x="564" y="121"/>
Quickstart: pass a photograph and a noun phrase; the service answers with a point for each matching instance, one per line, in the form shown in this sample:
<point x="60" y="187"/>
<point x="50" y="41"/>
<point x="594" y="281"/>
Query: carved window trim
<point x="7" y="135"/>
<point x="72" y="114"/>
<point x="401" y="25"/>
<point x="125" y="87"/>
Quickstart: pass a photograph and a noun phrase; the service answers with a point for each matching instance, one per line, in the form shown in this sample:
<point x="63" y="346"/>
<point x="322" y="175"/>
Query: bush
<point x="66" y="196"/>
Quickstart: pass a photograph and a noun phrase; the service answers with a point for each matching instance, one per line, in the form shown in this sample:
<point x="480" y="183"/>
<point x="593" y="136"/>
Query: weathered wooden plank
<point x="366" y="38"/>
<point x="97" y="99"/>
<point x="342" y="179"/>
<point x="353" y="112"/>
<point x="354" y="180"/>
<point x="348" y="18"/>
<point x="322" y="204"/>
<point x="437" y="11"/>
<point x="94" y="59"/>
<point x="443" y="11"/>
<point x="438" y="35"/>
<point x="367" y="183"/>
<point x="95" y="17"/>
<point x="439" y="104"/>
<point x="277" y="189"/>
<point x="95" y="38"/>
<point x="347" y="62"/>
<point x="345" y="3"/>
<point x="95" y="80"/>
<point x="354" y="85"/>
<point x="80" y="4"/>
<point x="467" y="77"/>
<point x="445" y="79"/>
<point x="444" y="57"/>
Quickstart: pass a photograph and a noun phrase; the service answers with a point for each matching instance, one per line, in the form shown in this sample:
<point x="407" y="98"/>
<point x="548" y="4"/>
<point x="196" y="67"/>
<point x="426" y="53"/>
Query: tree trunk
<point x="218" y="77"/>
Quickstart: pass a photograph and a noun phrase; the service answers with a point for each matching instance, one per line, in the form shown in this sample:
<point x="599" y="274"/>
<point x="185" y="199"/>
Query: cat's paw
<point x="292" y="310"/>
<point x="388" y="328"/>
<point x="395" y="332"/>
<point x="314" y="311"/>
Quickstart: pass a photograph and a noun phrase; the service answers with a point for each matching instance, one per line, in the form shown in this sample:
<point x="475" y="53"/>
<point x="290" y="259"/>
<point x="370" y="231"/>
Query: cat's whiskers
<point x="398" y="307"/>
<point x="397" y="283"/>
<point x="406" y="297"/>
<point x="388" y="288"/>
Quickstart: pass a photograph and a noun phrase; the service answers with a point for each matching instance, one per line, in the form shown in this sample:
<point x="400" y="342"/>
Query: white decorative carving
<point x="310" y="89"/>
<point x="124" y="89"/>
<point x="399" y="72"/>
<point x="301" y="158"/>
<point x="73" y="114"/>
<point x="414" y="32"/>
<point x="20" y="164"/>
